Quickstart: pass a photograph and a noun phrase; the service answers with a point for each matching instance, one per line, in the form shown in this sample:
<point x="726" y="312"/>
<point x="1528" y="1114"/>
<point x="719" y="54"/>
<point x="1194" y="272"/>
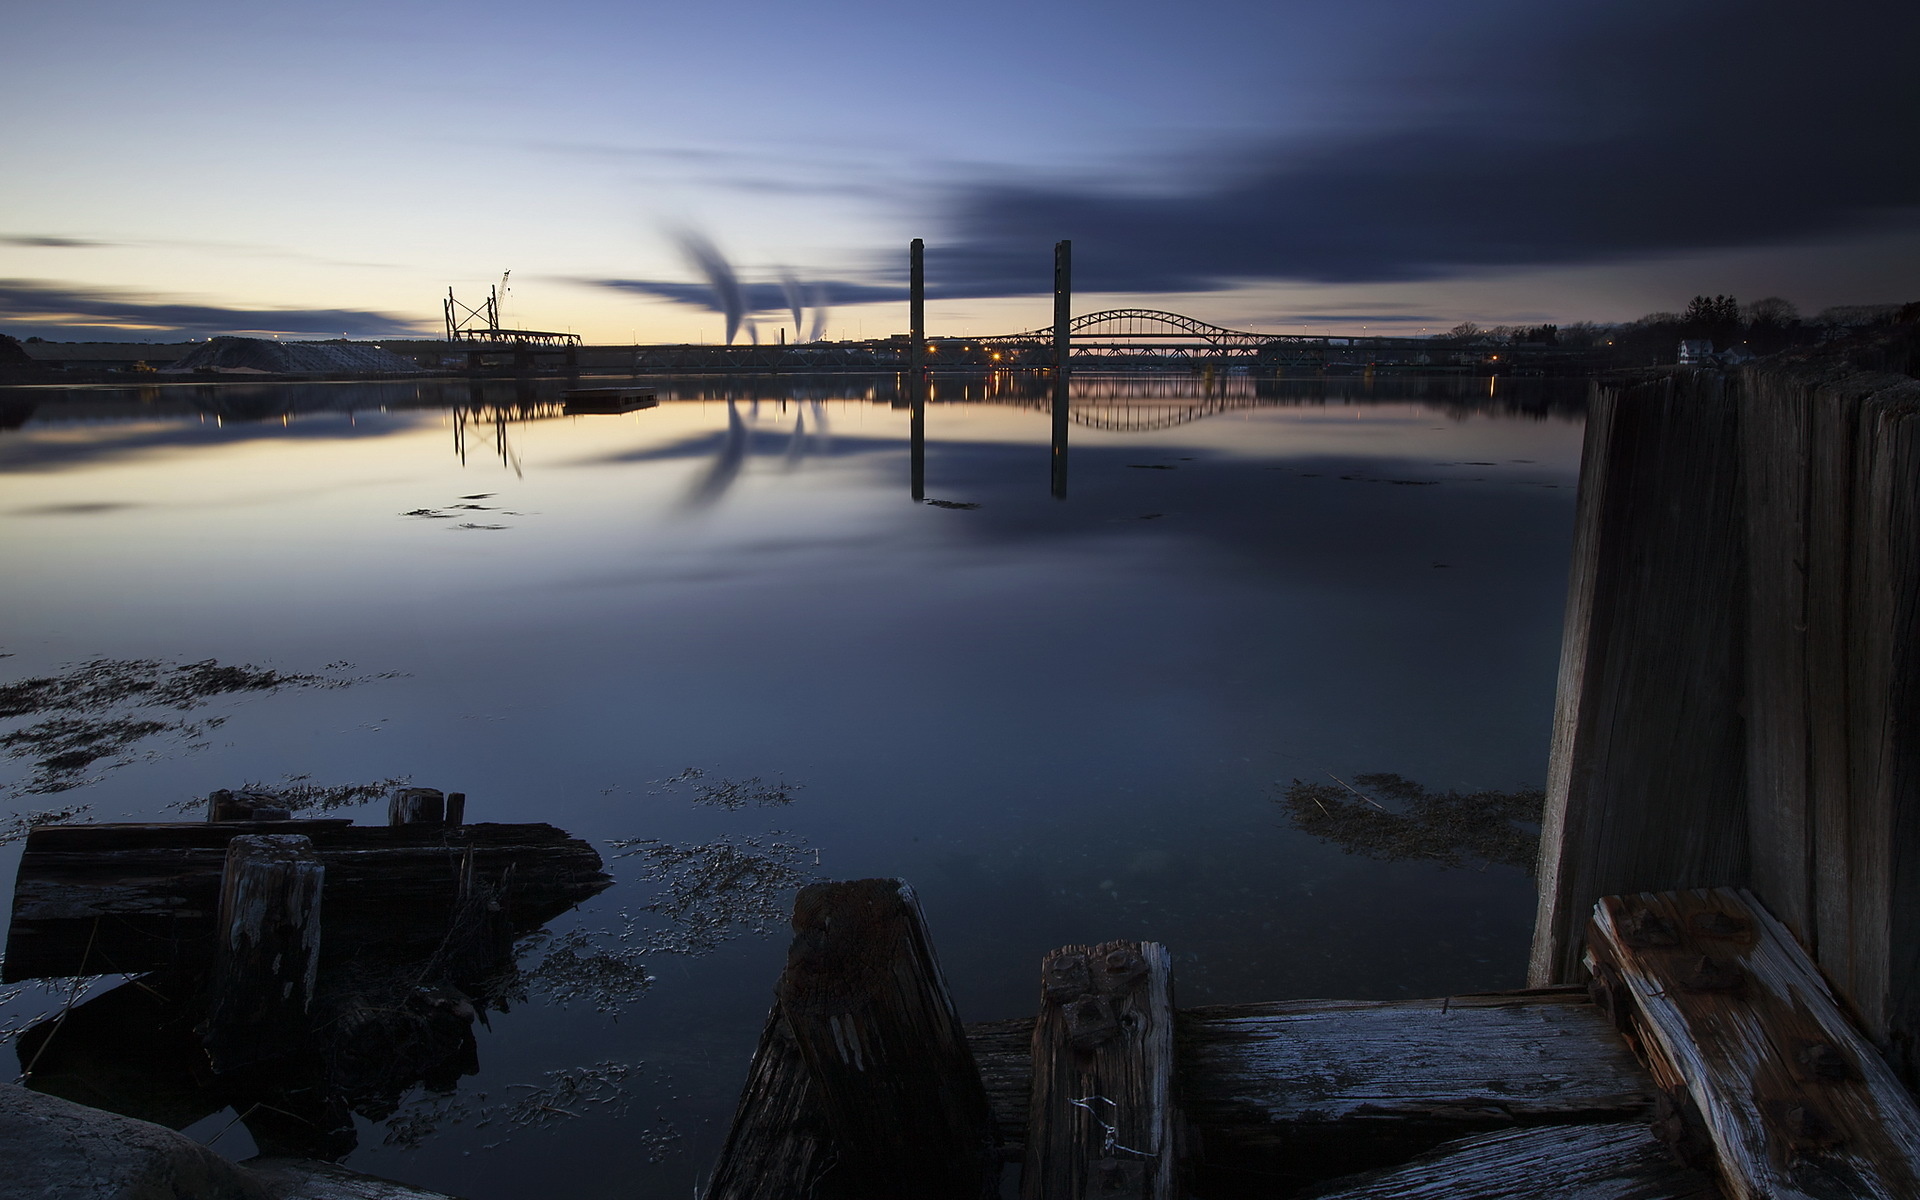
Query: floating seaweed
<point x="297" y="793"/>
<point x="570" y="1093"/>
<point x="1452" y="828"/>
<point x="716" y="891"/>
<point x="730" y="794"/>
<point x="19" y="825"/>
<point x="603" y="968"/>
<point x="104" y="708"/>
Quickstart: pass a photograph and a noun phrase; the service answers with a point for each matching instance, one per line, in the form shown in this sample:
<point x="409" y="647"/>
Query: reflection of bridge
<point x="1116" y="339"/>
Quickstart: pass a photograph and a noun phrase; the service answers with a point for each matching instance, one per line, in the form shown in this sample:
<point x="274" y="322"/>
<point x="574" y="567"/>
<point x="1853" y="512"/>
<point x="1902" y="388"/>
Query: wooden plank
<point x="112" y="898"/>
<point x="1102" y="1120"/>
<point x="1740" y="1028"/>
<point x="779" y="1146"/>
<point x="1654" y="632"/>
<point x="1003" y="1050"/>
<point x="1776" y="431"/>
<point x="1895" y="499"/>
<point x="1297" y="1090"/>
<point x="1883" y="704"/>
<point x="1557" y="1162"/>
<point x="871" y="1015"/>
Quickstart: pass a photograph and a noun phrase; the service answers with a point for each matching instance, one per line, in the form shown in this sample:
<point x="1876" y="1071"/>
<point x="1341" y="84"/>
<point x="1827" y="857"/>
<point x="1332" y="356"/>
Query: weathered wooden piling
<point x="1740" y="677"/>
<point x="870" y="1015"/>
<point x="269" y="950"/>
<point x="1102" y="1119"/>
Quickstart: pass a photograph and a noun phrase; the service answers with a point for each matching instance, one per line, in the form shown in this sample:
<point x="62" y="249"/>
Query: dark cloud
<point x="1637" y="129"/>
<point x="42" y="240"/>
<point x="32" y="306"/>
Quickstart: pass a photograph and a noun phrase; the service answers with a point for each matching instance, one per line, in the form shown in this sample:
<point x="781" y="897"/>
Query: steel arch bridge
<point x="1152" y="333"/>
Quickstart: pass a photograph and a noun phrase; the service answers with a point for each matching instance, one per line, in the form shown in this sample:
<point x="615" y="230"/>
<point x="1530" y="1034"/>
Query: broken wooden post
<point x="268" y="952"/>
<point x="417" y="806"/>
<point x="1101" y="1122"/>
<point x="1760" y="1067"/>
<point x="456" y="808"/>
<point x="877" y="1030"/>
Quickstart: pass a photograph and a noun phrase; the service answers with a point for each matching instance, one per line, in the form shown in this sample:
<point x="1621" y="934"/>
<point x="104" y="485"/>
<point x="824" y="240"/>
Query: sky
<point x="213" y="167"/>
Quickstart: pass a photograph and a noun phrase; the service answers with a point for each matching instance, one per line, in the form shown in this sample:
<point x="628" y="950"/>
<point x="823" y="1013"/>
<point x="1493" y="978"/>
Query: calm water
<point x="1061" y="721"/>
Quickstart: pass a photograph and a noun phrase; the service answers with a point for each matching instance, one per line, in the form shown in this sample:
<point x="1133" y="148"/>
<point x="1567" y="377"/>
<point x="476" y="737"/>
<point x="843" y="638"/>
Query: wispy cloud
<point x="48" y="241"/>
<point x="46" y="306"/>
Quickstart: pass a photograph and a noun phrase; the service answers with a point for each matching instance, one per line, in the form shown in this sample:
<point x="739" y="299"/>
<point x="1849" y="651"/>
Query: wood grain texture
<point x="1741" y="1029"/>
<point x="124" y="898"/>
<point x="1299" y="1090"/>
<point x="779" y="1146"/>
<point x="1281" y="1094"/>
<point x="1101" y="1121"/>
<point x="874" y="1023"/>
<point x="1558" y="1162"/>
<point x="262" y="985"/>
<point x="1646" y="781"/>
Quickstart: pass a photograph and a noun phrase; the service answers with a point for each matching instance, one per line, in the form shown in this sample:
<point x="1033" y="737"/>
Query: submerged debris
<point x="1450" y="828"/>
<point x="730" y="794"/>
<point x="600" y="967"/>
<point x="719" y="890"/>
<point x="570" y="1093"/>
<point x="19" y="825"/>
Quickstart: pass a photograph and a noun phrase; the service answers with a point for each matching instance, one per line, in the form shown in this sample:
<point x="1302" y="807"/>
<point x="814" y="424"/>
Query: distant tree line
<point x="1761" y="327"/>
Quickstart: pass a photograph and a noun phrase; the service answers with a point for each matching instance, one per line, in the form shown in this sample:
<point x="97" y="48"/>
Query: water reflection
<point x="422" y="930"/>
<point x="1062" y="721"/>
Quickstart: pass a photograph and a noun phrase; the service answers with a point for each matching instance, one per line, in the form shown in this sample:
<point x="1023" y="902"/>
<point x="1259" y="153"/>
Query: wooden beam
<point x="125" y="898"/>
<point x="1557" y="1162"/>
<point x="883" y="1046"/>
<point x="1305" y="1089"/>
<point x="1739" y="1028"/>
<point x="1102" y="1121"/>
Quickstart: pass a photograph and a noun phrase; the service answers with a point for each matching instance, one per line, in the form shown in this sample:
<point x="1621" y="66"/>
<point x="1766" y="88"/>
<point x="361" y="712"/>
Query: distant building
<point x="1696" y="352"/>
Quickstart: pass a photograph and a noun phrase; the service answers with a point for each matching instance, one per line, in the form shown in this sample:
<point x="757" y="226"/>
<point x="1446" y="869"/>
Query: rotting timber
<point x="301" y="972"/>
<point x="1726" y="994"/>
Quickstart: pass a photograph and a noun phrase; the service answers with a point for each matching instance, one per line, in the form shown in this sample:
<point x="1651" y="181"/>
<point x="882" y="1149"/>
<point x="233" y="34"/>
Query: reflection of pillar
<point x="1062" y="346"/>
<point x="916" y="365"/>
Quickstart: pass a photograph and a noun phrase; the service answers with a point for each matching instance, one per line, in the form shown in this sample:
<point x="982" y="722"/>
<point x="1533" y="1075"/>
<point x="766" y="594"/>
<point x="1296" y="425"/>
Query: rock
<point x="58" y="1150"/>
<point x="312" y="1179"/>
